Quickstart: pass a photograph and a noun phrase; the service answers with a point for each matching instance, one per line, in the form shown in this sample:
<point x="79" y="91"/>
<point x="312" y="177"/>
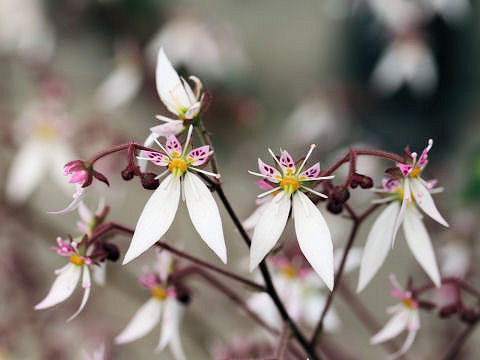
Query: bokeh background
<point x="337" y="73"/>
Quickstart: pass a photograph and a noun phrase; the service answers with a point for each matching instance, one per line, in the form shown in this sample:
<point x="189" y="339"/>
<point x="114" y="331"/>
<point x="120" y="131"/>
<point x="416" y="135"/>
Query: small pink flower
<point x="78" y="171"/>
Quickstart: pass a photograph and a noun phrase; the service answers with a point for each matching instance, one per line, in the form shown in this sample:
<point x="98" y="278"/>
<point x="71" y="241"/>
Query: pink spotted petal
<point x="311" y="172"/>
<point x="199" y="155"/>
<point x="405" y="169"/>
<point x="157" y="158"/>
<point x="173" y="145"/>
<point x="287" y="161"/>
<point x="269" y="171"/>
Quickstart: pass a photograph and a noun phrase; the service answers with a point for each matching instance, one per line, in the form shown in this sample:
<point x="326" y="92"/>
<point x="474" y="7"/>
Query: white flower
<point x="163" y="307"/>
<point x="301" y="290"/>
<point x="68" y="277"/>
<point x="452" y="10"/>
<point x="43" y="152"/>
<point x="405" y="317"/>
<point x="178" y="97"/>
<point x="159" y="212"/>
<point x="123" y="83"/>
<point x="406" y="61"/>
<point x="312" y="231"/>
<point x="25" y="30"/>
<point x="404" y="194"/>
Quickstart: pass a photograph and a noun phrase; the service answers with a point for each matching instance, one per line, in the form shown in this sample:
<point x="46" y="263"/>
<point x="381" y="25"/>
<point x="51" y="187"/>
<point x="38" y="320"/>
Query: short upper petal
<point x="199" y="156"/>
<point x="169" y="87"/>
<point x="419" y="242"/>
<point x="62" y="287"/>
<point x="148" y="142"/>
<point x="142" y="322"/>
<point x="424" y="200"/>
<point x="314" y="237"/>
<point x="156" y="217"/>
<point x="377" y="245"/>
<point x="269" y="228"/>
<point x="203" y="211"/>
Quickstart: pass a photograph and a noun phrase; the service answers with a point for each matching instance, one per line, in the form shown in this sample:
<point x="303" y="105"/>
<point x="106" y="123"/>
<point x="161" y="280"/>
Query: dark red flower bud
<point x="339" y="194"/>
<point x="469" y="316"/>
<point x="367" y="182"/>
<point x="127" y="174"/>
<point x="184" y="295"/>
<point x="112" y="250"/>
<point x="149" y="182"/>
<point x="334" y="207"/>
<point x="448" y="310"/>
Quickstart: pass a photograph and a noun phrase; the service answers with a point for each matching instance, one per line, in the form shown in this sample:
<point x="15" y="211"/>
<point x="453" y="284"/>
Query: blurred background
<point x="78" y="76"/>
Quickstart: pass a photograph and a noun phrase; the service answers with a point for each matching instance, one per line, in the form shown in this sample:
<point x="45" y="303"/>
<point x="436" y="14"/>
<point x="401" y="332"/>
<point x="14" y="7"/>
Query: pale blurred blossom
<point x="124" y="81"/>
<point x="406" y="61"/>
<point x="212" y="50"/>
<point x="43" y="131"/>
<point x="399" y="15"/>
<point x="25" y="29"/>
<point x="320" y="119"/>
<point x="453" y="11"/>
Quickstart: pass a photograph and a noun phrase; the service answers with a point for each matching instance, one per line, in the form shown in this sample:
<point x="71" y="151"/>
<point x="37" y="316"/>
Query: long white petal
<point x="377" y="245"/>
<point x="269" y="228"/>
<point x="156" y="217"/>
<point x="406" y="345"/>
<point x="425" y="202"/>
<point x="204" y="214"/>
<point x="62" y="287"/>
<point x="394" y="326"/>
<point x="313" y="237"/>
<point x="172" y="317"/>
<point x="169" y="87"/>
<point x="86" y="283"/>
<point x="401" y="214"/>
<point x="142" y="322"/>
<point x="28" y="167"/>
<point x="250" y="222"/>
<point x="419" y="242"/>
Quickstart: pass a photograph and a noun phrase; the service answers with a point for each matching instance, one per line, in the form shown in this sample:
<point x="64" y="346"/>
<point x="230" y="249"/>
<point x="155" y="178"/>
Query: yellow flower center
<point x="177" y="166"/>
<point x="409" y="303"/>
<point x="46" y="131"/>
<point x="159" y="293"/>
<point x="77" y="260"/>
<point x="415" y="172"/>
<point x="289" y="271"/>
<point x="289" y="184"/>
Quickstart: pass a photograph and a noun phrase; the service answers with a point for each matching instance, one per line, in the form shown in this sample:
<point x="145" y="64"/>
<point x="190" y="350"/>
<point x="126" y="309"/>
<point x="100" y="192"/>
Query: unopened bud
<point x="448" y="310"/>
<point x="127" y="174"/>
<point x="340" y="194"/>
<point x="469" y="316"/>
<point x="367" y="182"/>
<point x="334" y="207"/>
<point x="149" y="182"/>
<point x="113" y="253"/>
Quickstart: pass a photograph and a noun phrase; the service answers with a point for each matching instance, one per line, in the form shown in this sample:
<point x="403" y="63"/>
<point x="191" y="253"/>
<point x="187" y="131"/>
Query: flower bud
<point x="183" y="293"/>
<point x="113" y="253"/>
<point x="448" y="310"/>
<point x="340" y="194"/>
<point x="334" y="207"/>
<point x="127" y="174"/>
<point x="469" y="316"/>
<point x="366" y="183"/>
<point x="149" y="182"/>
